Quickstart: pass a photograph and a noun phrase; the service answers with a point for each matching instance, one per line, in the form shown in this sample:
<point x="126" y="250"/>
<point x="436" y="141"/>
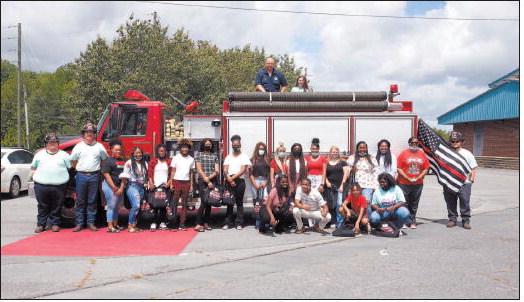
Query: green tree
<point x="143" y="57"/>
<point x="443" y="133"/>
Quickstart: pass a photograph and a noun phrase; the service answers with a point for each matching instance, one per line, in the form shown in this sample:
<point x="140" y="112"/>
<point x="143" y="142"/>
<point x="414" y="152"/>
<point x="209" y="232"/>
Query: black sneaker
<point x="182" y="227"/>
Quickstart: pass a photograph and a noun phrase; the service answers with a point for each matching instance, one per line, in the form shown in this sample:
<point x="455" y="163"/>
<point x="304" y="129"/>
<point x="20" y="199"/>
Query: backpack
<point x="146" y="213"/>
<point x="344" y="230"/>
<point x="388" y="229"/>
<point x="158" y="198"/>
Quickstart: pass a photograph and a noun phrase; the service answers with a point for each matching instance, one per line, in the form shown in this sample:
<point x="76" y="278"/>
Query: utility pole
<point x="19" y="79"/>
<point x="26" y="118"/>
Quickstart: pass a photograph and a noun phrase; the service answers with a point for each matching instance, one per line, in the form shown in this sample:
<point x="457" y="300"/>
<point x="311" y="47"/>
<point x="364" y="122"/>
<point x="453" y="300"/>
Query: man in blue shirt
<point x="269" y="79"/>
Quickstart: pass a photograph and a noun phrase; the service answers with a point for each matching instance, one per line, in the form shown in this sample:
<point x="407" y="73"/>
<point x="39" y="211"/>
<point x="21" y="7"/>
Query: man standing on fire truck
<point x="269" y="79"/>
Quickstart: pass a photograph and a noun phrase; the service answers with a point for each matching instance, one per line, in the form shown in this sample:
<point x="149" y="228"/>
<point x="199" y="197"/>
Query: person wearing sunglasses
<point x="463" y="195"/>
<point x="412" y="166"/>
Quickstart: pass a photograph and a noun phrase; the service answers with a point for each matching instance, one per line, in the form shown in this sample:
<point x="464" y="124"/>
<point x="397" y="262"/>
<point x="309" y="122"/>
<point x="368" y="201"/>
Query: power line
<point x="331" y="14"/>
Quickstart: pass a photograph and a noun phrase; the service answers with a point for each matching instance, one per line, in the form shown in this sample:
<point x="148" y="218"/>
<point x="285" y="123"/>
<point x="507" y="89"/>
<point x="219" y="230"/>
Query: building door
<point x="478" y="140"/>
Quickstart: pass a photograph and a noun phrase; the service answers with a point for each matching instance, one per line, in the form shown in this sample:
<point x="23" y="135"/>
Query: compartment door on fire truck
<point x="332" y="131"/>
<point x="251" y="130"/>
<point x="397" y="130"/>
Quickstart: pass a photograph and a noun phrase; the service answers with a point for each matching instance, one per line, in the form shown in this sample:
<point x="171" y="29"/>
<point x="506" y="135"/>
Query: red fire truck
<point x="337" y="118"/>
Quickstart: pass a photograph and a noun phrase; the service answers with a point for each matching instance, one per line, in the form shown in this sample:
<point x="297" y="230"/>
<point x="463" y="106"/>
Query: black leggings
<point x="204" y="212"/>
<point x="284" y="218"/>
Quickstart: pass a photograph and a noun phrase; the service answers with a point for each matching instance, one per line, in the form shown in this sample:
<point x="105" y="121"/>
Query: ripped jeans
<point x="135" y="193"/>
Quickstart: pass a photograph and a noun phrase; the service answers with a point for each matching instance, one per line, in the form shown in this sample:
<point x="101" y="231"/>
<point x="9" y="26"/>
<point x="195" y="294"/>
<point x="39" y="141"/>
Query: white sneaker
<point x="239" y="227"/>
<point x="404" y="226"/>
<point x="163" y="226"/>
<point x="153" y="227"/>
<point x="226" y="227"/>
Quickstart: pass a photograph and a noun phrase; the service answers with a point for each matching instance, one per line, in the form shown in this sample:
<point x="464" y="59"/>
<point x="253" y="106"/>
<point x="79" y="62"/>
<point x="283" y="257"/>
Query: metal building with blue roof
<point x="490" y="121"/>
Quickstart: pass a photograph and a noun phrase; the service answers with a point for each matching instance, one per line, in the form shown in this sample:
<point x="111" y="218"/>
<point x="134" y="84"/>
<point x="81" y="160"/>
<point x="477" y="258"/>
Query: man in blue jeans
<point x="87" y="157"/>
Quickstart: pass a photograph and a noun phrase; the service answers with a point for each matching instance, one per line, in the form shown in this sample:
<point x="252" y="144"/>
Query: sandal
<point x="133" y="230"/>
<point x="199" y="228"/>
<point x="113" y="230"/>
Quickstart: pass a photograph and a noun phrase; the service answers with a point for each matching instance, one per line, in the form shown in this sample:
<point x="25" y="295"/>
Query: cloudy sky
<point x="437" y="63"/>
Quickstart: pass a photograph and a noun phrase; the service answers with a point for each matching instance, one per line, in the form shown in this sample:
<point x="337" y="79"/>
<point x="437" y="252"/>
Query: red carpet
<point x="101" y="243"/>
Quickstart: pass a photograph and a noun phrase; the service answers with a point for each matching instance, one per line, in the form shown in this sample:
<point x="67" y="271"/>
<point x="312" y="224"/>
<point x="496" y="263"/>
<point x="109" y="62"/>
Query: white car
<point x="16" y="166"/>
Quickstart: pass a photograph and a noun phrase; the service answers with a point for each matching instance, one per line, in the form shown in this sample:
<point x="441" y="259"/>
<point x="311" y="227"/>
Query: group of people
<point x="293" y="189"/>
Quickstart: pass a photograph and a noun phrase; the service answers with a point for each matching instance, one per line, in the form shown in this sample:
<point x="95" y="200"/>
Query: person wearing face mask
<point x="87" y="157"/>
<point x="387" y="161"/>
<point x="278" y="163"/>
<point x="135" y="177"/>
<point x="365" y="168"/>
<point x="388" y="203"/>
<point x="182" y="166"/>
<point x="112" y="186"/>
<point x="316" y="166"/>
<point x="50" y="174"/>
<point x="259" y="171"/>
<point x="413" y="165"/>
<point x="274" y="211"/>
<point x="456" y="139"/>
<point x="297" y="167"/>
<point x="336" y="175"/>
<point x="158" y="173"/>
<point x="235" y="166"/>
<point x="207" y="167"/>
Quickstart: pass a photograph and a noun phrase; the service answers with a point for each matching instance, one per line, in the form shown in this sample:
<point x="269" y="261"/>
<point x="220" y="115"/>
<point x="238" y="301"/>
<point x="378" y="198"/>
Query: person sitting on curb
<point x="356" y="214"/>
<point x="274" y="212"/>
<point x="309" y="203"/>
<point x="388" y="202"/>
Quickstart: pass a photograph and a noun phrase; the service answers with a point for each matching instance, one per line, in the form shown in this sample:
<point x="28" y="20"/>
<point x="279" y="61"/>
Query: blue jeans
<point x="259" y="181"/>
<point x="135" y="193"/>
<point x="112" y="201"/>
<point x="86" y="191"/>
<point x="399" y="217"/>
<point x="368" y="194"/>
<point x="340" y="220"/>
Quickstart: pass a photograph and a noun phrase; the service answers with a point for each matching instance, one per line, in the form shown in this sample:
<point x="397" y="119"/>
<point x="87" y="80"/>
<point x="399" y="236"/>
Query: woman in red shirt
<point x="316" y="166"/>
<point x="278" y="164"/>
<point x="357" y="213"/>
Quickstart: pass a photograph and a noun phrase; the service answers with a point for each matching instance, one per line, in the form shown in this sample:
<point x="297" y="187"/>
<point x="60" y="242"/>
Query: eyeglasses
<point x="454" y="142"/>
<point x="413" y="143"/>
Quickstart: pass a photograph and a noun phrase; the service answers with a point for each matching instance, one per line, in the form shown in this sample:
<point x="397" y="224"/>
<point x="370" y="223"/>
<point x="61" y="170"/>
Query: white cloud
<point x="437" y="64"/>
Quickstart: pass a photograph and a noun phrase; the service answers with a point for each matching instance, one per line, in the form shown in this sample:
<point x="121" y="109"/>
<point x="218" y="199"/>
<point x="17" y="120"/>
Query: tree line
<point x="142" y="57"/>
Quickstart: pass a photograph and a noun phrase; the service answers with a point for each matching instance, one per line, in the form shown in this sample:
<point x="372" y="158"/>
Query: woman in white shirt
<point x="158" y="174"/>
<point x="387" y="161"/>
<point x="235" y="166"/>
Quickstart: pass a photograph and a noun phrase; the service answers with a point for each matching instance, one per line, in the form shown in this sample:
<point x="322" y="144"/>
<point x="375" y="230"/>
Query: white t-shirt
<point x="392" y="169"/>
<point x="161" y="173"/>
<point x="235" y="163"/>
<point x="470" y="159"/>
<point x="314" y="199"/>
<point x="88" y="156"/>
<point x="183" y="166"/>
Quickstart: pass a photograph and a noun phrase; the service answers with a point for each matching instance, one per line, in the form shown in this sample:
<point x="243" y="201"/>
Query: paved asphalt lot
<point x="431" y="262"/>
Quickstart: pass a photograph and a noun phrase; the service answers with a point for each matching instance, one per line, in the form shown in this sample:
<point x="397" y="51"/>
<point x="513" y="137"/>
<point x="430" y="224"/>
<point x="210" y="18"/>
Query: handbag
<point x="146" y="212"/>
<point x="214" y="197"/>
<point x="344" y="230"/>
<point x="228" y="199"/>
<point x="388" y="229"/>
<point x="257" y="203"/>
